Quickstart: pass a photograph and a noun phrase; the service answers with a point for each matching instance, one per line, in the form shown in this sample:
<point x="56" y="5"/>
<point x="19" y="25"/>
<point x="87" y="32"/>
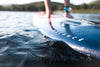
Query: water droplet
<point x="64" y="34"/>
<point x="81" y="39"/>
<point x="74" y="37"/>
<point x="68" y="35"/>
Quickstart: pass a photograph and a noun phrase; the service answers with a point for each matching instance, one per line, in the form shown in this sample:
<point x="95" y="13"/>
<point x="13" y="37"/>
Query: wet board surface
<point x="83" y="36"/>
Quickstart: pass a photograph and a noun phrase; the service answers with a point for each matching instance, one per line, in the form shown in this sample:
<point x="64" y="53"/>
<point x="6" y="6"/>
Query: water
<point x="22" y="45"/>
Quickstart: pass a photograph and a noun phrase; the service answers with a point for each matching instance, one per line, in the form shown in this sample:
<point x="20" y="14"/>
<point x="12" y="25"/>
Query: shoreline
<point x="73" y="11"/>
<point x="85" y="11"/>
<point x="81" y="11"/>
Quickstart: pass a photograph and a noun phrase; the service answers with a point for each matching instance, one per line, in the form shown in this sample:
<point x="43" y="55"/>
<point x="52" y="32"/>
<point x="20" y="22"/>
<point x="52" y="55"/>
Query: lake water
<point x="22" y="45"/>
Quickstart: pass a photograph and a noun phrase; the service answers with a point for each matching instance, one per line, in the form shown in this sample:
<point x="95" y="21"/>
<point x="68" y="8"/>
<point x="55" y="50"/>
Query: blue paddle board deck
<point x="82" y="36"/>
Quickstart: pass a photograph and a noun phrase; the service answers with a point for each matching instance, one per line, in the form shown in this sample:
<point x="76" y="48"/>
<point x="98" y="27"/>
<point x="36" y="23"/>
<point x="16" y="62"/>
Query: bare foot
<point x="67" y="15"/>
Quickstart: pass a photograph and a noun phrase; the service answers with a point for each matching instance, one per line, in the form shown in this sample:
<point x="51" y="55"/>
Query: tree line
<point x="95" y="5"/>
<point x="39" y="6"/>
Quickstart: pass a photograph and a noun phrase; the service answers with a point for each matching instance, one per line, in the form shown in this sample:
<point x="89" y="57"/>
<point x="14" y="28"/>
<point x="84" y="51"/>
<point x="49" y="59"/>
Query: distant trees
<point x="95" y="5"/>
<point x="84" y="6"/>
<point x="39" y="6"/>
<point x="92" y="6"/>
<point x="1" y="8"/>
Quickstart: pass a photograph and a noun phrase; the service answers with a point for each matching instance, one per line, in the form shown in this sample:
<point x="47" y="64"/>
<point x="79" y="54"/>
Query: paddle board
<point x="82" y="36"/>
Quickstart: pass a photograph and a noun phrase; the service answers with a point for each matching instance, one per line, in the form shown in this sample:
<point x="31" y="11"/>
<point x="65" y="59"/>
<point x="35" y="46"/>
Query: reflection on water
<point x="22" y="45"/>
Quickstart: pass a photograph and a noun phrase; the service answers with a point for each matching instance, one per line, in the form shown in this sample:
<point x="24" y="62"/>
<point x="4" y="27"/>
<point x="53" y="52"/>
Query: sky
<point x="76" y="2"/>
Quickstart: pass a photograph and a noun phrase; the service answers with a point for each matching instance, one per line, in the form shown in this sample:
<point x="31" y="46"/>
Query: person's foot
<point x="67" y="15"/>
<point x="48" y="14"/>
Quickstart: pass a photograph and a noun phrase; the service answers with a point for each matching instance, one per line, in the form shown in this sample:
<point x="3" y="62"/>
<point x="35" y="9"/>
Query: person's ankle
<point x="48" y="13"/>
<point x="67" y="15"/>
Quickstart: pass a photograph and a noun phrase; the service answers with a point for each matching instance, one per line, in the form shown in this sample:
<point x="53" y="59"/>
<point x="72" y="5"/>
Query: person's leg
<point x="48" y="12"/>
<point x="47" y="8"/>
<point x="67" y="4"/>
